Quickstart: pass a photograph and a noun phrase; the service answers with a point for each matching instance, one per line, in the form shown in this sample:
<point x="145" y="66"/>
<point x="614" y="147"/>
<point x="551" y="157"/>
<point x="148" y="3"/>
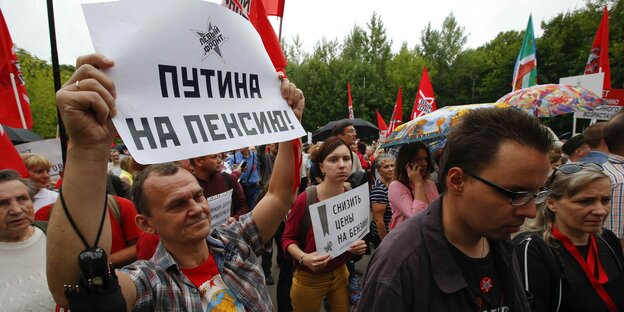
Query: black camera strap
<point x="75" y="227"/>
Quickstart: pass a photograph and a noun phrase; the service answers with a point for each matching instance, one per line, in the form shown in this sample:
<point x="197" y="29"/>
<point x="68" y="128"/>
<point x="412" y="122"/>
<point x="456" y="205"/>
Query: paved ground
<point x="360" y="267"/>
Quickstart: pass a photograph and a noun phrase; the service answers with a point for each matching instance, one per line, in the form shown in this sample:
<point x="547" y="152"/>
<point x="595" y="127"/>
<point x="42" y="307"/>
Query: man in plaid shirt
<point x="195" y="267"/>
<point x="614" y="168"/>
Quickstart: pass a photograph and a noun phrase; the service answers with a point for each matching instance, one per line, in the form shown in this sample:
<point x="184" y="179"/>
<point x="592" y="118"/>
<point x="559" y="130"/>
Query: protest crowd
<point x="503" y="216"/>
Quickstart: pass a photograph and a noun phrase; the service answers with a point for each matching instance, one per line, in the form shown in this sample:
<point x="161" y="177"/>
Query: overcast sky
<point x="311" y="19"/>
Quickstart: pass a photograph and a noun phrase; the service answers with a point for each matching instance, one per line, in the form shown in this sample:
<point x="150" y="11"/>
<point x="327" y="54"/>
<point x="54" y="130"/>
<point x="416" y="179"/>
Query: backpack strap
<point x="306" y="222"/>
<point x="114" y="207"/>
<point x="42" y="225"/>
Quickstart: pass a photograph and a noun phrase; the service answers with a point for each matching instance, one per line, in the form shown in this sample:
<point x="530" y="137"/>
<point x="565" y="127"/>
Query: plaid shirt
<point x="161" y="286"/>
<point x="614" y="168"/>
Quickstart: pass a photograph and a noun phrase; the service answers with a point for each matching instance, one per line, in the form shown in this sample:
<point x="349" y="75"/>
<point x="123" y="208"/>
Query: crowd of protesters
<point x="509" y="222"/>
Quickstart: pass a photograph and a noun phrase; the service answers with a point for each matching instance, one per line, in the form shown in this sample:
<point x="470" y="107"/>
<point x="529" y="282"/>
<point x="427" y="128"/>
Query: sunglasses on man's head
<point x="573" y="168"/>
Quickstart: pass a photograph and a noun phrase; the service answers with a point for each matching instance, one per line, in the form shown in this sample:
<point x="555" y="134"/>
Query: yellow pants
<point x="309" y="289"/>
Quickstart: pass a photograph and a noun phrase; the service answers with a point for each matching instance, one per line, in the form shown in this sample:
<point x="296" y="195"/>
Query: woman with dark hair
<point x="318" y="276"/>
<point x="412" y="190"/>
<point x="569" y="262"/>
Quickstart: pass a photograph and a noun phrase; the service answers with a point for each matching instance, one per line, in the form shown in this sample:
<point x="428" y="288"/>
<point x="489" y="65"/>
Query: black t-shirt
<point x="484" y="281"/>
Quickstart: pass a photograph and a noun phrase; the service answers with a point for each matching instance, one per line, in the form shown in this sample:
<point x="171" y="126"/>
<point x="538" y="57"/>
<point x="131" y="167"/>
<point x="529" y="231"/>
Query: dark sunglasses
<point x="515" y="198"/>
<point x="572" y="168"/>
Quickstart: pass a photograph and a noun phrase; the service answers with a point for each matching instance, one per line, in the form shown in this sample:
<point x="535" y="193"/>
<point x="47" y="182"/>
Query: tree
<point x="40" y="88"/>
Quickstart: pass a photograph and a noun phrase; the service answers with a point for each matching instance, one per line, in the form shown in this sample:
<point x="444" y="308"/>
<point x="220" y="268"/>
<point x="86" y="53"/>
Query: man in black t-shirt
<point x="456" y="255"/>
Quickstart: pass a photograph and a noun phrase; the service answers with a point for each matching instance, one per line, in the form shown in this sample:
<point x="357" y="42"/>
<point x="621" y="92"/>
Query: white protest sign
<point x="604" y="112"/>
<point x="191" y="78"/>
<point x="341" y="220"/>
<point x="592" y="82"/>
<point x="220" y="208"/>
<point x="50" y="149"/>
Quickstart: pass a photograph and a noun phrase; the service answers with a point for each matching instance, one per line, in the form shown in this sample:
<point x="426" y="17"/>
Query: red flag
<point x="274" y="7"/>
<point x="425" y="99"/>
<point x="598" y="61"/>
<point x="255" y="13"/>
<point x="14" y="103"/>
<point x="350" y="101"/>
<point x="9" y="158"/>
<point x="381" y="124"/>
<point x="397" y="114"/>
<point x="383" y="129"/>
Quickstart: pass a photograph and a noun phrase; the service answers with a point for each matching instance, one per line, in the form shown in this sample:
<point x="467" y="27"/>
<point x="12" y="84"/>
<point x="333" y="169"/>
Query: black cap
<point x="572" y="144"/>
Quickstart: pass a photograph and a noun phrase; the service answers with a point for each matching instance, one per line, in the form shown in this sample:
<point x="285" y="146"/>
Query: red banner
<point x="274" y="7"/>
<point x="425" y="100"/>
<point x="598" y="60"/>
<point x="397" y="114"/>
<point x="14" y="103"/>
<point x="9" y="158"/>
<point x="613" y="97"/>
<point x="257" y="15"/>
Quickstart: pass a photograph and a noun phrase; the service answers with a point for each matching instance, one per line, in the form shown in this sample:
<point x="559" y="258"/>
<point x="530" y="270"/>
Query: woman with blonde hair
<point x="39" y="173"/>
<point x="569" y="262"/>
<point x="127" y="170"/>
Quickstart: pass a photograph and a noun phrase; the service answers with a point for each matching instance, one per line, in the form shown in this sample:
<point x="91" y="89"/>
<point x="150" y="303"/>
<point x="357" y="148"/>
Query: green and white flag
<point x="525" y="71"/>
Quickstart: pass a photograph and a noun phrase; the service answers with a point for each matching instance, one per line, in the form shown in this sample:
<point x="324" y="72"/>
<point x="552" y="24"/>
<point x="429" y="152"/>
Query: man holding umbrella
<point x="346" y="132"/>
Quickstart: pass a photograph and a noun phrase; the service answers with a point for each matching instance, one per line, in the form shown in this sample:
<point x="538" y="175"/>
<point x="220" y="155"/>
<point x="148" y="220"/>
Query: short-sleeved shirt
<point x="614" y="168"/>
<point x="161" y="285"/>
<point x="250" y="175"/>
<point x="379" y="194"/>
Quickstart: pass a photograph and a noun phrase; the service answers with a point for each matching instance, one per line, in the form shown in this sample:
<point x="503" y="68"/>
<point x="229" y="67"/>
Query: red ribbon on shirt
<point x="592" y="267"/>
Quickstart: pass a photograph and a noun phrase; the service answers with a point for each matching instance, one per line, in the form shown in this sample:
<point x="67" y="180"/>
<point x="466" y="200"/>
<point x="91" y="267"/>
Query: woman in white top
<point x="39" y="171"/>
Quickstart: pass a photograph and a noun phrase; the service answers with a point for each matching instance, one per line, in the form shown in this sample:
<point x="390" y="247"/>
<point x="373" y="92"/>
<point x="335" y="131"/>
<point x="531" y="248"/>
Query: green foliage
<point x="364" y="59"/>
<point x="459" y="75"/>
<point x="40" y="88"/>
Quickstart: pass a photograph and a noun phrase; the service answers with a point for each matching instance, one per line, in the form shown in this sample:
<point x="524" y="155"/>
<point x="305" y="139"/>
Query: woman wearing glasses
<point x="568" y="261"/>
<point x="412" y="190"/>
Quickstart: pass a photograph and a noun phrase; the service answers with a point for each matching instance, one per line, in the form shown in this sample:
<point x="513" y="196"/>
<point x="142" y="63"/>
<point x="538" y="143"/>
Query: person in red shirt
<point x="125" y="232"/>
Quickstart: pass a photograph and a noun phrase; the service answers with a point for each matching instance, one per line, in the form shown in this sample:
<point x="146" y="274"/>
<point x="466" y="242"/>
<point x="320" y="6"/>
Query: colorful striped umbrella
<point x="433" y="126"/>
<point x="552" y="99"/>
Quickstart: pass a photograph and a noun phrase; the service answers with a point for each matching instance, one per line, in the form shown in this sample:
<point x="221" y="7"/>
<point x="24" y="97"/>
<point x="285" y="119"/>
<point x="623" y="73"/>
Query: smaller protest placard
<point x="220" y="208"/>
<point x="341" y="220"/>
<point x="50" y="149"/>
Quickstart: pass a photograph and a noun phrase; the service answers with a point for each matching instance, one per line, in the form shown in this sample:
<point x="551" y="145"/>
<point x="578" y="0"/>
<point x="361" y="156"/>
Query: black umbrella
<point x="364" y="129"/>
<point x="19" y="136"/>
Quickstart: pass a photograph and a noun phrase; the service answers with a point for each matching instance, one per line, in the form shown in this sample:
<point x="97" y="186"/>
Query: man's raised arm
<point x="86" y="104"/>
<point x="270" y="211"/>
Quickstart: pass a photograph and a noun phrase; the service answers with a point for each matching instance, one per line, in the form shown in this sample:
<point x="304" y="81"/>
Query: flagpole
<point x="279" y="37"/>
<point x="57" y="76"/>
<point x="17" y="101"/>
<point x="280" y="30"/>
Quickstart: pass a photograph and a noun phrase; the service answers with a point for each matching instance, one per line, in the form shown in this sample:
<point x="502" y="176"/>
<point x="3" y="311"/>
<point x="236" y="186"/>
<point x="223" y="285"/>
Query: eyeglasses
<point x="573" y="168"/>
<point x="515" y="198"/>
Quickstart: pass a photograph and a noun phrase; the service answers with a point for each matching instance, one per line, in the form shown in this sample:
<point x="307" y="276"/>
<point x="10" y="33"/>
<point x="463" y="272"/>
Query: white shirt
<point x="23" y="283"/>
<point x="43" y="198"/>
<point x="305" y="165"/>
